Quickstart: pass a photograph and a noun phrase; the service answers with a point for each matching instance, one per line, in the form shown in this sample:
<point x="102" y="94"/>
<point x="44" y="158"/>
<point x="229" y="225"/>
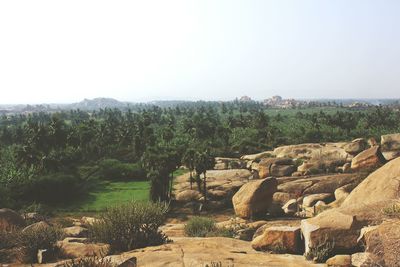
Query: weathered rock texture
<point x="254" y="198"/>
<point x="362" y="207"/>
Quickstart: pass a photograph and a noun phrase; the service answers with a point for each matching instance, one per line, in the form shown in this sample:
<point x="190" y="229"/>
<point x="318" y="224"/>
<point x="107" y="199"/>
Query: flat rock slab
<point x="202" y="251"/>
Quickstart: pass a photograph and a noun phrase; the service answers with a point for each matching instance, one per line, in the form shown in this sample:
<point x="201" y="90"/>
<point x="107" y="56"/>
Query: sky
<point x="65" y="51"/>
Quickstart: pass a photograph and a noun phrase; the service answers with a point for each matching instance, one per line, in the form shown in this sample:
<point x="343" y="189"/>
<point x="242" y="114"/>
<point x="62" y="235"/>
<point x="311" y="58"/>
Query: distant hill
<point x="98" y="103"/>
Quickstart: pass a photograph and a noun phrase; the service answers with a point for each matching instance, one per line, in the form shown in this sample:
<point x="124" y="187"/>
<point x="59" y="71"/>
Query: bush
<point x="130" y="226"/>
<point x="35" y="238"/>
<point x="200" y="227"/>
<point x="392" y="210"/>
<point x="94" y="261"/>
<point x="7" y="242"/>
<point x="112" y="169"/>
<point x="322" y="252"/>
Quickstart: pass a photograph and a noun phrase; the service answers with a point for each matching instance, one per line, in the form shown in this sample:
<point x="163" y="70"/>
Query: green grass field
<point x="109" y="194"/>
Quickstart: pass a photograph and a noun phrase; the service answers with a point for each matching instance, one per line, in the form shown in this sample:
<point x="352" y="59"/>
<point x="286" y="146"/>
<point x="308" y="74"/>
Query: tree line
<point x="53" y="156"/>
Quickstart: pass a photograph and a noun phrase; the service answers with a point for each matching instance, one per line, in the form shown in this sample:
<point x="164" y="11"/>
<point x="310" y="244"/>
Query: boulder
<point x="254" y="198"/>
<point x="10" y="219"/>
<point x="362" y="207"/>
<point x="382" y="242"/>
<point x="362" y="259"/>
<point x="291" y="207"/>
<point x="339" y="261"/>
<point x="36" y="226"/>
<point x="78" y="248"/>
<point x="369" y="158"/>
<point x="344" y="191"/>
<point x="331" y="226"/>
<point x="188" y="196"/>
<point x="389" y="155"/>
<point x="282" y="170"/>
<point x="280" y="239"/>
<point x="253" y="157"/>
<point x="275" y="167"/>
<point x="308" y="151"/>
<point x="87" y="221"/>
<point x="212" y="251"/>
<point x="310" y="200"/>
<point x="356" y="146"/>
<point x="390" y="142"/>
<point x="317" y="184"/>
<point x="75" y="231"/>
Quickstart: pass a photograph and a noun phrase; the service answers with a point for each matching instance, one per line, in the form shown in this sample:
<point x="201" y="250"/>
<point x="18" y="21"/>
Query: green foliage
<point x="55" y="187"/>
<point x="41" y="146"/>
<point x="200" y="227"/>
<point x="130" y="226"/>
<point x="113" y="169"/>
<point x="323" y="251"/>
<point x="31" y="240"/>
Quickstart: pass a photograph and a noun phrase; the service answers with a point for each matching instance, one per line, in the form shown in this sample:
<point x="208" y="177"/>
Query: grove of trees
<point x="57" y="156"/>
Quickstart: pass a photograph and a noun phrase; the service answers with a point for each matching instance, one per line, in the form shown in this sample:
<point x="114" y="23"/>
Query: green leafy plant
<point x="200" y="227"/>
<point x="130" y="226"/>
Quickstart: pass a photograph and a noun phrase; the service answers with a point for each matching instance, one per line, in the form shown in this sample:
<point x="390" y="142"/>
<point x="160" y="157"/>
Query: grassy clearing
<point x="108" y="194"/>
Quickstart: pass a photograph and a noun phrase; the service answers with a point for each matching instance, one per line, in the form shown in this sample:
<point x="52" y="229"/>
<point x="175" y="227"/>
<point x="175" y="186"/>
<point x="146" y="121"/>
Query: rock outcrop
<point x="254" y="198"/>
<point x="209" y="251"/>
<point x="369" y="158"/>
<point x="362" y="207"/>
<point x="281" y="239"/>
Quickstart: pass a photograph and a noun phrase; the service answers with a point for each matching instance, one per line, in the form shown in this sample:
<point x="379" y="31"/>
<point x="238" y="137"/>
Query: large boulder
<point x="10" y="219"/>
<point x="382" y="242"/>
<point x="222" y="184"/>
<point x="367" y="159"/>
<point x="275" y="167"/>
<point x="309" y="151"/>
<point x="316" y="184"/>
<point x="257" y="156"/>
<point x="390" y="142"/>
<point x="362" y="207"/>
<point x="281" y="239"/>
<point x="254" y="198"/>
<point x="212" y="251"/>
<point x="78" y="248"/>
<point x="356" y="146"/>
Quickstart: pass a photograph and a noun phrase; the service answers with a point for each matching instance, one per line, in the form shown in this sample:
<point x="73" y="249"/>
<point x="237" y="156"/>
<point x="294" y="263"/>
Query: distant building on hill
<point x="245" y="98"/>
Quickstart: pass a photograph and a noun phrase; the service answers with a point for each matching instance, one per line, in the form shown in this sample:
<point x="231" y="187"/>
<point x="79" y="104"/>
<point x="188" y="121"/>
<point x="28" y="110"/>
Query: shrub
<point x="7" y="242"/>
<point x="94" y="261"/>
<point x="200" y="227"/>
<point x="392" y="210"/>
<point x="35" y="238"/>
<point x="130" y="226"/>
<point x="322" y="252"/>
<point x="112" y="169"/>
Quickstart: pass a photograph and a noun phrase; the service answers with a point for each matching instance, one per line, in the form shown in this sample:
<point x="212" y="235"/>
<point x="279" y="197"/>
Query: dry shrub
<point x="30" y="241"/>
<point x="323" y="251"/>
<point x="94" y="261"/>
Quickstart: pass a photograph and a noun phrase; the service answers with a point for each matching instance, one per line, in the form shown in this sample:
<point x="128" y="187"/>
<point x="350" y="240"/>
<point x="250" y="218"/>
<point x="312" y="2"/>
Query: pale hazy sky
<point x="64" y="51"/>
